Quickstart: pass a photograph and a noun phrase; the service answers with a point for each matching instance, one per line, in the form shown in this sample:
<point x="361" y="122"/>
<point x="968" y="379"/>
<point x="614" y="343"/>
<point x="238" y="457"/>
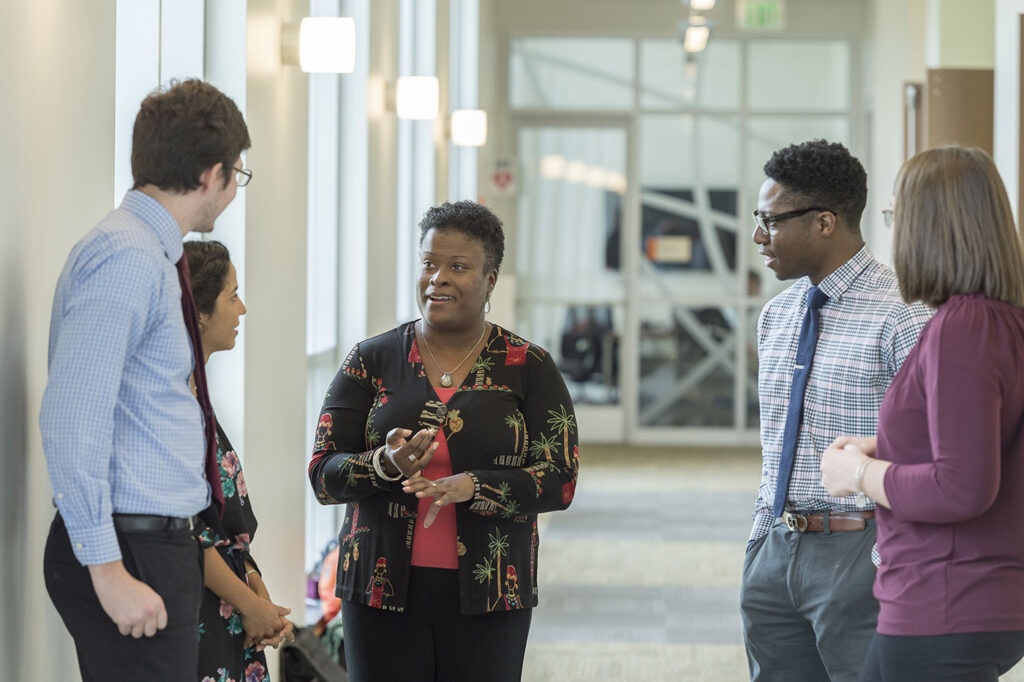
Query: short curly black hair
<point x="824" y="174"/>
<point x="473" y="220"/>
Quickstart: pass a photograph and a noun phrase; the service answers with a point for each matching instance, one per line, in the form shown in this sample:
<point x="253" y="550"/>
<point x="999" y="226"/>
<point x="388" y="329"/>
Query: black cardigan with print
<point x="510" y="425"/>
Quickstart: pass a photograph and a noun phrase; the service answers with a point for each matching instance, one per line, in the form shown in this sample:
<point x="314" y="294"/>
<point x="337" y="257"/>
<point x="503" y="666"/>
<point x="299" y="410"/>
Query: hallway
<point x="639" y="579"/>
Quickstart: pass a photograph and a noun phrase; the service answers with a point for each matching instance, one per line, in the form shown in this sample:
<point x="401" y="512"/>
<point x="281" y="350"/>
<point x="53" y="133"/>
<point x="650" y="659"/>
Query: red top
<point x="952" y="423"/>
<point x="434" y="547"/>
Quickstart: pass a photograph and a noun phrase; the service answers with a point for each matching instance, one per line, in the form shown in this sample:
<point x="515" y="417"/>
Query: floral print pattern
<point x="221" y="634"/>
<point x="510" y="426"/>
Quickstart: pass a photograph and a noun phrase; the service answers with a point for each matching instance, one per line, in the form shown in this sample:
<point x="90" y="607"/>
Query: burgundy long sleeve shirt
<point x="952" y="423"/>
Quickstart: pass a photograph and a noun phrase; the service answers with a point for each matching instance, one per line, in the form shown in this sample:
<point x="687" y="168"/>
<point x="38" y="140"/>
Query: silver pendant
<point x="446" y="380"/>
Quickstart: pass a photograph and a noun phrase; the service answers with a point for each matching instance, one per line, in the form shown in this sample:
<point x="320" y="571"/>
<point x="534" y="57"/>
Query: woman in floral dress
<point x="237" y="619"/>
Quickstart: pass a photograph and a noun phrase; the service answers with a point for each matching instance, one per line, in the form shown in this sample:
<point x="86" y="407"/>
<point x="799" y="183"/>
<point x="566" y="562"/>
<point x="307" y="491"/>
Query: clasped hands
<point x="409" y="454"/>
<point x="840" y="461"/>
<point x="264" y="622"/>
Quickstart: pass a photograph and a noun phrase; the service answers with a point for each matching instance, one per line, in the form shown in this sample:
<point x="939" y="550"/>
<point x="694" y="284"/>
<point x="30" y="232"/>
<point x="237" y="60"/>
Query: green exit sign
<point x="761" y="15"/>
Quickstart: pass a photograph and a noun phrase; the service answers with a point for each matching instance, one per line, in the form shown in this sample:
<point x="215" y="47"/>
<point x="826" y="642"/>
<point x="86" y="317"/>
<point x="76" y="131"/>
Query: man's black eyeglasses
<point x="242" y="176"/>
<point x="765" y="222"/>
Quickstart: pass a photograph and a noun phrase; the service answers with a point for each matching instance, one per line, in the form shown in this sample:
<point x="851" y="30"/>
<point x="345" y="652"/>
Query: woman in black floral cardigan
<point x="446" y="437"/>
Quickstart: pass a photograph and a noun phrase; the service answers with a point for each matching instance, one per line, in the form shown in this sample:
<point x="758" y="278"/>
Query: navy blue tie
<point x="801" y="370"/>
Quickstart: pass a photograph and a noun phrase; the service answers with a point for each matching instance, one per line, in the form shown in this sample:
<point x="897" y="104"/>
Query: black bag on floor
<point x="307" y="660"/>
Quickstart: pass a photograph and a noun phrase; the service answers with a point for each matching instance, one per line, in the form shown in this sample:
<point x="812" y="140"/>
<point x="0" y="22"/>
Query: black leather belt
<point x="147" y="523"/>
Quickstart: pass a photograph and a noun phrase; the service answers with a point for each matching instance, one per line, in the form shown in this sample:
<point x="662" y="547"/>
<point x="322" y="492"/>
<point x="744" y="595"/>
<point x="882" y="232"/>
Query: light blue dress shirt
<point x="122" y="432"/>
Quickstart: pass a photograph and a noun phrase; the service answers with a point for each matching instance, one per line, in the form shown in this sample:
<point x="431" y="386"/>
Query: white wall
<point x="56" y="181"/>
<point x="275" y="254"/>
<point x="56" y="173"/>
<point x="898" y="39"/>
<point x="1007" y="140"/>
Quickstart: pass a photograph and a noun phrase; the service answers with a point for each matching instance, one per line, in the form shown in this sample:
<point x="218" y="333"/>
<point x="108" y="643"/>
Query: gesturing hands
<point x="407" y="456"/>
<point x="457" y="488"/>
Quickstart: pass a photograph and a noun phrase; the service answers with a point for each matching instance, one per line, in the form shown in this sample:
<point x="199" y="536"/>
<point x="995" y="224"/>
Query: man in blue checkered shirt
<point x="122" y="431"/>
<point x="806" y="601"/>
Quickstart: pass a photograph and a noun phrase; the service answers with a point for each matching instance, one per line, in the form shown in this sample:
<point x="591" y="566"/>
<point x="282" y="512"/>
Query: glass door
<point x="569" y="266"/>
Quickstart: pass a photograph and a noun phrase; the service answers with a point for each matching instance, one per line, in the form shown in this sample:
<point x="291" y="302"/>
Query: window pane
<point x="570" y="213"/>
<point x="670" y="80"/>
<point x="798" y="75"/>
<point x="584" y="342"/>
<point x="690" y="175"/>
<point x="571" y="73"/>
<point x="687" y="363"/>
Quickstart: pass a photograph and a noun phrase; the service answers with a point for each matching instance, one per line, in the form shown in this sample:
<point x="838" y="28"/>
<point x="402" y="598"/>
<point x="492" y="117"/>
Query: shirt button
<point x="441" y="411"/>
<point x="78" y="545"/>
<point x="60" y="496"/>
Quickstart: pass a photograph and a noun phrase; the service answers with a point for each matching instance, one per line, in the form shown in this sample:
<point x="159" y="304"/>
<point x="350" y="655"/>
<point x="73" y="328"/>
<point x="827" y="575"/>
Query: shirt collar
<point x="836" y="284"/>
<point x="155" y="216"/>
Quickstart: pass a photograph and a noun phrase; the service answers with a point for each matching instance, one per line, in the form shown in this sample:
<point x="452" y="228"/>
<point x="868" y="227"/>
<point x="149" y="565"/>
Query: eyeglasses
<point x="242" y="176"/>
<point x="765" y="223"/>
<point x="887" y="214"/>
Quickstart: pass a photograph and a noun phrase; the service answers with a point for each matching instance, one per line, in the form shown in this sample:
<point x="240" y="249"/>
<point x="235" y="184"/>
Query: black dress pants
<point x="966" y="657"/>
<point x="170" y="562"/>
<point x="431" y="641"/>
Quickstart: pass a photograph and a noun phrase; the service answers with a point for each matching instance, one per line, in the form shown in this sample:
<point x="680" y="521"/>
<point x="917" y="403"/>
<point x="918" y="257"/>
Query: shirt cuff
<point x="96" y="544"/>
<point x="763" y="522"/>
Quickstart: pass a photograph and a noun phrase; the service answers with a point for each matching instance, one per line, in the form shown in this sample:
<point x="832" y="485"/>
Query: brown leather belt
<point x="837" y="521"/>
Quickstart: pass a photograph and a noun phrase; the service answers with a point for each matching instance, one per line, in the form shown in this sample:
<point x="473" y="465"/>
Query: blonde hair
<point x="953" y="230"/>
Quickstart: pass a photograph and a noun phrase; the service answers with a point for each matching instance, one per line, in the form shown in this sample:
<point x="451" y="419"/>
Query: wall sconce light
<point x="469" y="127"/>
<point x="695" y="32"/>
<point x="702" y="5"/>
<point x="320" y="44"/>
<point x="415" y="97"/>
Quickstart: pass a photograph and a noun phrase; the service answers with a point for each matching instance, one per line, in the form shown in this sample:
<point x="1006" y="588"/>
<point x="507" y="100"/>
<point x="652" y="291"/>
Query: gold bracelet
<point x="251" y="571"/>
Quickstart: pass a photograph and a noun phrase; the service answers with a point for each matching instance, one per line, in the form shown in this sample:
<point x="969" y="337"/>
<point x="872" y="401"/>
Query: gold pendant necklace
<point x="446" y="377"/>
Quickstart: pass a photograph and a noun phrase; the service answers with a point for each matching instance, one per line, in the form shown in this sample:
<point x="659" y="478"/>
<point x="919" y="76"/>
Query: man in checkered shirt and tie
<point x="828" y="348"/>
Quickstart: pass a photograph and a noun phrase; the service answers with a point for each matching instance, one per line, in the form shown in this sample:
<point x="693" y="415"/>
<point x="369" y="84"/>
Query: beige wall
<point x="961" y="34"/>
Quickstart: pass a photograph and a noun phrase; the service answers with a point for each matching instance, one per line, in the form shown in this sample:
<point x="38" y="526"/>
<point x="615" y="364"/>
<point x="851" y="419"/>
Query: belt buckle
<point x="795" y="522"/>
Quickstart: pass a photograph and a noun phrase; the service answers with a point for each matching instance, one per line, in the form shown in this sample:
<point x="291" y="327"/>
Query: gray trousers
<point x="807" y="607"/>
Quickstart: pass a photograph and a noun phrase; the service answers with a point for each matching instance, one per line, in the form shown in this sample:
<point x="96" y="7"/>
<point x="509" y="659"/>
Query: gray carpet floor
<point x="639" y="578"/>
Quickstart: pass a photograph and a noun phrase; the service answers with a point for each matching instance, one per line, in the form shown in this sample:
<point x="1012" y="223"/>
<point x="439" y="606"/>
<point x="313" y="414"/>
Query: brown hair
<point x="953" y="230"/>
<point x="184" y="130"/>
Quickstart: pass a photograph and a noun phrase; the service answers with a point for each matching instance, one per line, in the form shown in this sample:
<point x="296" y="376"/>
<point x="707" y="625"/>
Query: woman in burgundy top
<point x="445" y="437"/>
<point x="947" y="470"/>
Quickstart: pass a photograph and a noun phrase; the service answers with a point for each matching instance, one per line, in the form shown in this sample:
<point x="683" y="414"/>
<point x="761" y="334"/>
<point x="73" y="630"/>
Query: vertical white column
<point x="136" y="74"/>
<point x="224" y="66"/>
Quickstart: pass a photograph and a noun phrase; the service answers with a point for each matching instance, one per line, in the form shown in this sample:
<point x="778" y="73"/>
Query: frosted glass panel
<point x="670" y="81"/>
<point x="798" y="75"/>
<point x="690" y="181"/>
<point x="571" y="73"/>
<point x="570" y="213"/>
